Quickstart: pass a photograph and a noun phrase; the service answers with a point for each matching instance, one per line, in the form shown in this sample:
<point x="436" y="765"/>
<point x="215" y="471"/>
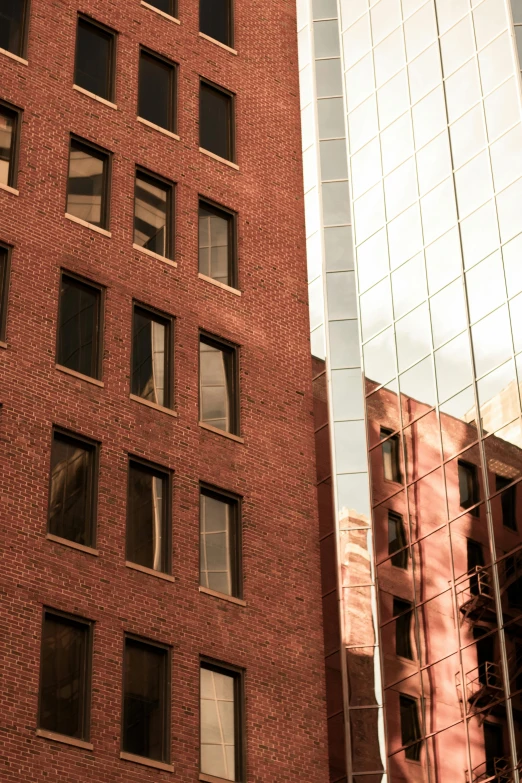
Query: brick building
<point x="155" y="398"/>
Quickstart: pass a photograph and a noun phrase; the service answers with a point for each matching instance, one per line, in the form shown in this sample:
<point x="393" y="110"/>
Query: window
<point x="218" y="404"/>
<point x="147" y="517"/>
<point x="391" y="456"/>
<point x="468" y="485"/>
<point x="215" y="20"/>
<point x="151" y="352"/>
<point x="217" y="253"/>
<point x="9" y="124"/>
<point x="94" y="66"/>
<point x="494" y="750"/>
<point x="221" y="707"/>
<point x="219" y="568"/>
<point x="153" y="214"/>
<point x="4" y="282"/>
<point x="410" y="727"/>
<point x="508" y="500"/>
<point x="475" y="563"/>
<point x="216" y="132"/>
<point x="397" y="540"/>
<point x="157" y="90"/>
<point x="403" y="610"/>
<point x="79" y="326"/>
<point x="167" y="6"/>
<point x="88" y="183"/>
<point x="146" y="688"/>
<point x="72" y="492"/>
<point x="65" y="668"/>
<point x="13" y="15"/>
<point x="485" y="644"/>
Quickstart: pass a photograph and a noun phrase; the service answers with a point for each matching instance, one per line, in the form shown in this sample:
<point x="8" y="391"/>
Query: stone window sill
<point x="146" y="762"/>
<point x="14" y="57"/>
<point x="231" y="598"/>
<point x="217" y="431"/>
<point x="94" y="96"/>
<point x="72" y="544"/>
<point x="9" y="189"/>
<point x="218" y="43"/>
<point x="153" y="405"/>
<point x="218" y="158"/>
<point x="77" y="743"/>
<point x="160" y="12"/>
<point x="80" y="376"/>
<point x="158" y="128"/>
<point x="149" y="571"/>
<point x="2" y="344"/>
<point x="211" y="778"/>
<point x="217" y="283"/>
<point x="88" y="225"/>
<point x="154" y="255"/>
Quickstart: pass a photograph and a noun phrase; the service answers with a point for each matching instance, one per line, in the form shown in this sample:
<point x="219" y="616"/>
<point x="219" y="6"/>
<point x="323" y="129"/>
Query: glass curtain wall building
<point x="412" y="151"/>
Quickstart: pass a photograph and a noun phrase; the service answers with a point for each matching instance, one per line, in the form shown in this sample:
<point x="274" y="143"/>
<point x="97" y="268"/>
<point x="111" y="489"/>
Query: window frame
<point x="169" y="353"/>
<point x="232" y="129"/>
<point x="102" y="154"/>
<point x="17" y="112"/>
<point x="235" y="501"/>
<point x="239" y="675"/>
<point x="172" y="109"/>
<point x="111" y="69"/>
<point x="235" y="403"/>
<point x="170" y="228"/>
<point x="4" y="289"/>
<point x="231" y="234"/>
<point x="230" y="43"/>
<point x="99" y="320"/>
<point x="167" y="695"/>
<point x="87" y="670"/>
<point x="25" y="31"/>
<point x="167" y="509"/>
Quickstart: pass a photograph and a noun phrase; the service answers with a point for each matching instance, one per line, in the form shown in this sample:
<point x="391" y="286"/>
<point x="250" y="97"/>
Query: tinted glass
<point x="218" y="724"/>
<point x="167" y="6"/>
<point x="390" y="457"/>
<point x="508" y="498"/>
<point x="215" y="122"/>
<point x="215" y="20"/>
<point x="150" y="374"/>
<point x="215" y="244"/>
<point x="86" y="184"/>
<point x="145" y="700"/>
<point x="151" y="214"/>
<point x="63" y="678"/>
<point x="79" y="327"/>
<point x="71" y="495"/>
<point x="410" y="727"/>
<point x="217" y="544"/>
<point x="93" y="68"/>
<point x="403" y="646"/>
<point x="468" y="484"/>
<point x="8" y="124"/>
<point x="3" y="290"/>
<point x="12" y="16"/>
<point x="397" y="540"/>
<point x="147" y="517"/>
<point x="155" y="92"/>
<point x="215" y="376"/>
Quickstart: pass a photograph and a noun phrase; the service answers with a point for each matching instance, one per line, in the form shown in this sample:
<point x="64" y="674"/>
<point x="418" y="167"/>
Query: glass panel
<point x="215" y="121"/>
<point x="389" y="57"/>
<point x="214" y="378"/>
<point x="350" y="446"/>
<point x="338" y="248"/>
<point x="443" y="260"/>
<point x="85" y="190"/>
<point x="429" y="117"/>
<point x="215" y="20"/>
<point x="468" y="136"/>
<point x="491" y="339"/>
<point x="409" y="285"/>
<point x="78" y="330"/>
<point x="464" y="484"/>
<point x="485" y="286"/>
<point x="396" y="143"/>
<point x="420" y="30"/>
<point x="155" y="92"/>
<point x="496" y="63"/>
<point x="434" y="163"/>
<point x="509" y="217"/>
<point x="151" y="211"/>
<point x="385" y="16"/>
<point x="333" y="159"/>
<point x="449" y="12"/>
<point x="12" y="18"/>
<point x="7" y="139"/>
<point x="326" y="39"/>
<point x="218" y="724"/>
<point x="453" y="367"/>
<point x="215" y="246"/>
<point x="457" y="45"/>
<point x="145" y="704"/>
<point x="368" y="211"/>
<point x="376" y="309"/>
<point x="336" y="203"/>
<point x="456" y="435"/>
<point x="449" y="300"/>
<point x="438" y="211"/>
<point x="330" y="118"/>
<point x="512" y="267"/>
<point x="71" y="493"/>
<point x="217" y="544"/>
<point x="93" y="59"/>
<point x="489" y="19"/>
<point x="501" y="109"/>
<point x="479" y="234"/>
<point x="498" y="398"/>
<point x="342" y="301"/>
<point x="357" y="41"/>
<point x="149" y="358"/>
<point x="328" y="78"/>
<point x="324" y="9"/>
<point x="393" y="99"/>
<point x="506" y="158"/>
<point x="417" y="387"/>
<point x="379" y="358"/>
<point x="366" y="167"/>
<point x="425" y="73"/>
<point x="368" y="726"/>
<point x="428" y="492"/>
<point x="462" y="90"/>
<point x="473" y="184"/>
<point x="372" y="260"/>
<point x="400" y="188"/>
<point x="167" y="6"/>
<point x="347" y="394"/>
<point x="413" y="337"/>
<point x="147" y="518"/>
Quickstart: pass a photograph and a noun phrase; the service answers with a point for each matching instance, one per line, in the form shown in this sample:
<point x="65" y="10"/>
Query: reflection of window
<point x="153" y="214"/>
<point x="71" y="499"/>
<point x="216" y="244"/>
<point x="167" y="6"/>
<point x="4" y="281"/>
<point x="220" y="722"/>
<point x="12" y="26"/>
<point x="88" y="183"/>
<point x="493" y="745"/>
<point x="216" y="131"/>
<point x="145" y="703"/>
<point x="79" y="327"/>
<point x="390" y="455"/>
<point x="9" y="125"/>
<point x="475" y="560"/>
<point x="468" y="485"/>
<point x="410" y="727"/>
<point x="65" y="675"/>
<point x="404" y="613"/>
<point x="397" y="540"/>
<point x="215" y="20"/>
<point x="151" y="339"/>
<point x="94" y="66"/>
<point x="219" y="542"/>
<point x="157" y="90"/>
<point x="485" y="656"/>
<point x="513" y="576"/>
<point x="147" y="517"/>
<point x="218" y="403"/>
<point x="508" y="500"/>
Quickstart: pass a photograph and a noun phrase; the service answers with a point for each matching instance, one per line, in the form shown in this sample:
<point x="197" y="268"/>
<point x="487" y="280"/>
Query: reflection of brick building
<point x="448" y="570"/>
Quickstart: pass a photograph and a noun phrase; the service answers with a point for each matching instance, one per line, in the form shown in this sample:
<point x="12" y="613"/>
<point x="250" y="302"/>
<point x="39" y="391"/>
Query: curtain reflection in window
<point x="149" y="354"/>
<point x="71" y="488"/>
<point x="218" y="749"/>
<point x="145" y="703"/>
<point x="85" y="187"/>
<point x="214" y="387"/>
<point x="146" y="533"/>
<point x="150" y="214"/>
<point x="7" y="134"/>
<point x="215" y="545"/>
<point x="214" y="245"/>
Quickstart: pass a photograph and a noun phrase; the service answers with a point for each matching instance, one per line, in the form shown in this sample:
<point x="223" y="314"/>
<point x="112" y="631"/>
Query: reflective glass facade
<point x="412" y="150"/>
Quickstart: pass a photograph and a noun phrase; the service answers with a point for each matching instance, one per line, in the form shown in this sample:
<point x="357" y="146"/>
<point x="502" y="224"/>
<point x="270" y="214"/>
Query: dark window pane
<point x="215" y="20"/>
<point x="155" y="92"/>
<point x="8" y="130"/>
<point x="475" y="563"/>
<point x="4" y="257"/>
<point x="12" y="20"/>
<point x="486" y="673"/>
<point x="508" y="500"/>
<point x="403" y="611"/>
<point x="397" y="540"/>
<point x="216" y="378"/>
<point x="468" y="484"/>
<point x="145" y="700"/>
<point x="410" y="727"/>
<point x="215" y="244"/>
<point x="215" y="121"/>
<point x="150" y="350"/>
<point x="93" y="69"/>
<point x="71" y="495"/>
<point x="64" y="676"/>
<point x="86" y="185"/>
<point x="390" y="456"/>
<point x="220" y="754"/>
<point x="218" y="543"/>
<point x="78" y="336"/>
<point x="494" y="749"/>
<point x="167" y="6"/>
<point x="152" y="214"/>
<point x="147" y="517"/>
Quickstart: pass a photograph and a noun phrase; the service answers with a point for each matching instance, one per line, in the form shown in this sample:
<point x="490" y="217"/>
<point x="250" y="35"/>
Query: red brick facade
<point x="277" y="635"/>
